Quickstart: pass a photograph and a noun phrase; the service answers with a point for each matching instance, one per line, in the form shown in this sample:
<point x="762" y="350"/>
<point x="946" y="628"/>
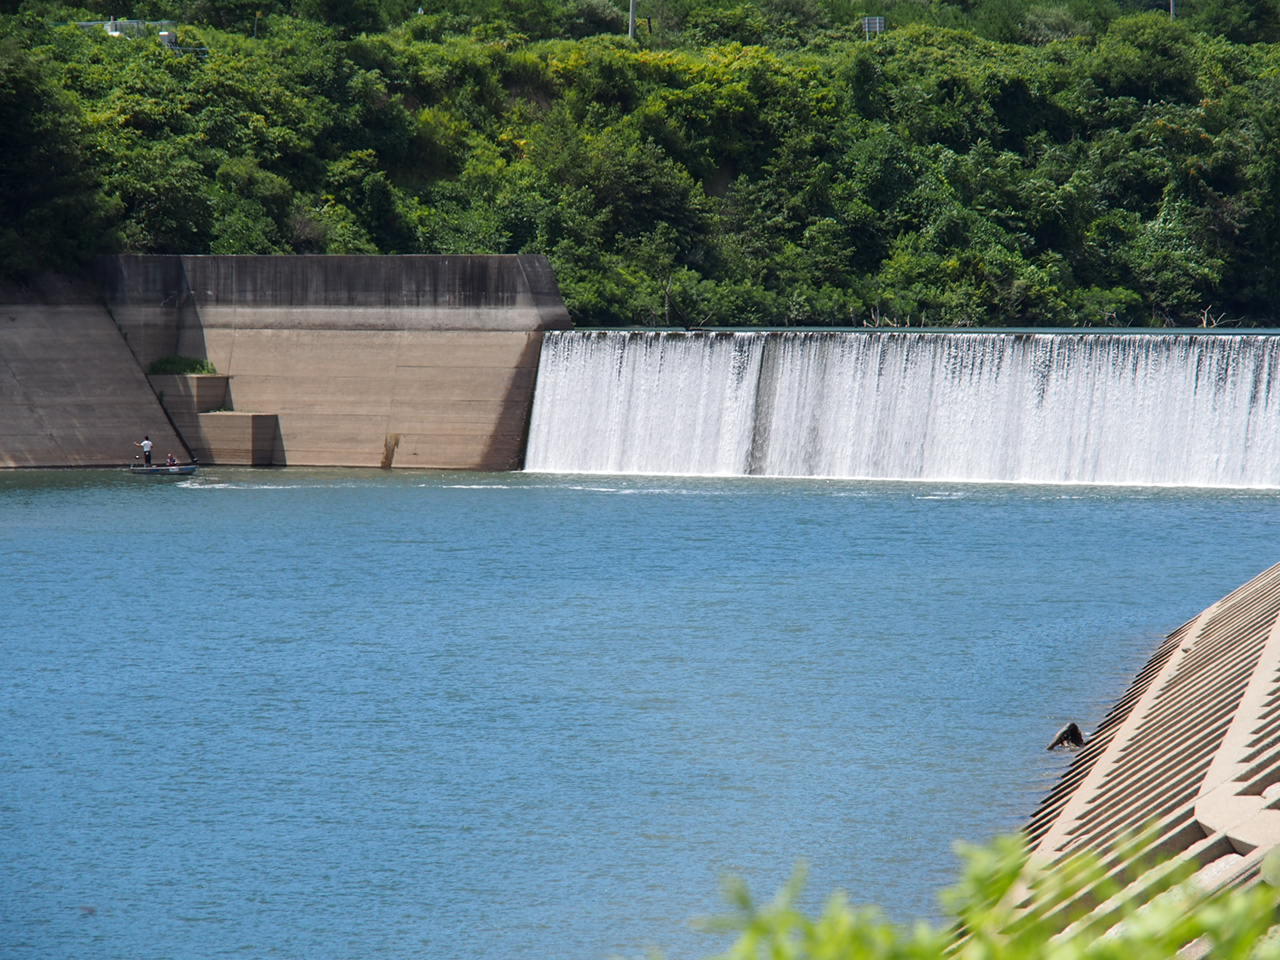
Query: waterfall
<point x="1111" y="408"/>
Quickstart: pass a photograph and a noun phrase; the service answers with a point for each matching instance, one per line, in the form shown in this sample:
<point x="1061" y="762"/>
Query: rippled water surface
<point x="331" y="714"/>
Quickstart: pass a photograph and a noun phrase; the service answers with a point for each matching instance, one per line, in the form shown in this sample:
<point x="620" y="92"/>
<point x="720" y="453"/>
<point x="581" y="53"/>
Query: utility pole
<point x="631" y="20"/>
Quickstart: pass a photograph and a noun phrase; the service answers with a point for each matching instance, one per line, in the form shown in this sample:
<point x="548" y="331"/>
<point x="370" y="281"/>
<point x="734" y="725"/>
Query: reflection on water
<point x="334" y="713"/>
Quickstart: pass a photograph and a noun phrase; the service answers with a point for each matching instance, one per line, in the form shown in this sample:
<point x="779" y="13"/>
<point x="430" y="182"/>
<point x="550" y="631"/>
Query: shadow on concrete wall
<point x="190" y="335"/>
<point x="275" y="443"/>
<point x="145" y="296"/>
<point x="507" y="452"/>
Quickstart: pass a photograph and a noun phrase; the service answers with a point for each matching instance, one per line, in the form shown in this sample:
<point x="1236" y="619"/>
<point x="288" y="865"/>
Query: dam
<point x="470" y="363"/>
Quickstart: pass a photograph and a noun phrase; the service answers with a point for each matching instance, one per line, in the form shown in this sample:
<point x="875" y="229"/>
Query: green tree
<point x="52" y="210"/>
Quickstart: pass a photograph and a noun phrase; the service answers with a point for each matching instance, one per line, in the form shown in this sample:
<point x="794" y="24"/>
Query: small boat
<point x="164" y="469"/>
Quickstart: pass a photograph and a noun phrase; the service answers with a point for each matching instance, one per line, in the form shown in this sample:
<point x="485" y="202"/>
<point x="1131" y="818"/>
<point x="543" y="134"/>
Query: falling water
<point x="1160" y="409"/>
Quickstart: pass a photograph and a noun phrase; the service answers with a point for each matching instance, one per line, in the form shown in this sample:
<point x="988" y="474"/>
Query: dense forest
<point x="980" y="162"/>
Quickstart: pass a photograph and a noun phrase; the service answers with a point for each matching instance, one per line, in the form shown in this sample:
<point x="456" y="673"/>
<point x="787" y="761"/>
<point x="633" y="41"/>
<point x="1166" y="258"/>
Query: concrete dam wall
<point x="418" y="361"/>
<point x="71" y="393"/>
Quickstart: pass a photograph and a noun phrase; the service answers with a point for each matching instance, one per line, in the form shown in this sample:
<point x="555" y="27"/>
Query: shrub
<point x="1004" y="910"/>
<point x="176" y="364"/>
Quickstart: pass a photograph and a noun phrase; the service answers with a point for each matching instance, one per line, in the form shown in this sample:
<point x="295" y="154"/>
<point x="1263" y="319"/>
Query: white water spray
<point x="1166" y="409"/>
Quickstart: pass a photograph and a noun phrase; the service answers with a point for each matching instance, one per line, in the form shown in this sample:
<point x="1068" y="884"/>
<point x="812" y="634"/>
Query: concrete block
<point x="190" y="392"/>
<point x="245" y="439"/>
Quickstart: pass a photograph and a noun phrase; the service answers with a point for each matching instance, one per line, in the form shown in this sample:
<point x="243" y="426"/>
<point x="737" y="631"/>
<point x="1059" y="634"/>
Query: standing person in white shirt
<point x="145" y="444"/>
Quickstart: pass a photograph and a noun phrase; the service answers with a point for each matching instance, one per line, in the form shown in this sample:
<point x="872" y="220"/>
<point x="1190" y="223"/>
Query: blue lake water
<point x="339" y="713"/>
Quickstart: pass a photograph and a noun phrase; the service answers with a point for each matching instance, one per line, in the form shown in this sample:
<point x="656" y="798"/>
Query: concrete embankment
<point x="415" y="361"/>
<point x="1191" y="753"/>
<point x="71" y="393"/>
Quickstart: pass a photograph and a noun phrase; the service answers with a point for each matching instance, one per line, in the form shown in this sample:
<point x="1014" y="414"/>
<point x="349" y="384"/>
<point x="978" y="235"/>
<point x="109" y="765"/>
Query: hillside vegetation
<point x="1010" y="162"/>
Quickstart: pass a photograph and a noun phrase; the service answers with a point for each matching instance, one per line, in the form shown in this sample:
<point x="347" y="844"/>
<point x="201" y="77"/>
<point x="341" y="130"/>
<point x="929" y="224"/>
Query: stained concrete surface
<point x="420" y="361"/>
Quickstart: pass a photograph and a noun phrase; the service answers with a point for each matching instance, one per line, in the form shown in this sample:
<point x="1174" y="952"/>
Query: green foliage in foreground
<point x="1052" y="164"/>
<point x="178" y="364"/>
<point x="1005" y="913"/>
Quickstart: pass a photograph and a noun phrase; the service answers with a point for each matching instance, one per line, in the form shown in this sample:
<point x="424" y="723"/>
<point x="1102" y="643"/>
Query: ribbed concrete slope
<point x="71" y="393"/>
<point x="1192" y="751"/>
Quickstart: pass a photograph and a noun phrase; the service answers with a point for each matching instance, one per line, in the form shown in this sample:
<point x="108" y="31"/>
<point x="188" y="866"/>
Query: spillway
<point x="1174" y="409"/>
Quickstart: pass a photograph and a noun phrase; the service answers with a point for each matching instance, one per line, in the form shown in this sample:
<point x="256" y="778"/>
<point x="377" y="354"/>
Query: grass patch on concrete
<point x="181" y="365"/>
